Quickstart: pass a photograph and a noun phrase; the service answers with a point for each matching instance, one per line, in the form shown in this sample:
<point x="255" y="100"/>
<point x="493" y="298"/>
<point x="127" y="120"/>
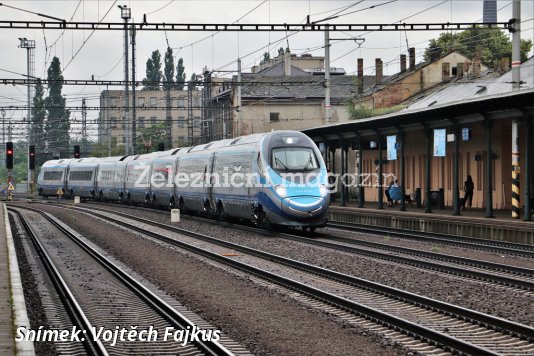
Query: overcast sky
<point x="102" y="53"/>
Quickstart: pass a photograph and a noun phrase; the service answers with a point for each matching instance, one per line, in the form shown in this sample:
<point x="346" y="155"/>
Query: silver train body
<point x="276" y="178"/>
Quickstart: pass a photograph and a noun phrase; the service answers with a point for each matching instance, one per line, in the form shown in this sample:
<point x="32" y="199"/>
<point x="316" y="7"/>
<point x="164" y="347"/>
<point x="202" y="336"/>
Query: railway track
<point x="500" y="247"/>
<point x="489" y="272"/>
<point x="439" y="324"/>
<point x="122" y="300"/>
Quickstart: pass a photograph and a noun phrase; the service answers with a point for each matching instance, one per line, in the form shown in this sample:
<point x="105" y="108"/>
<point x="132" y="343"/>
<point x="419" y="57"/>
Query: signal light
<point x="9" y="155"/>
<point x="76" y="151"/>
<point x="31" y="154"/>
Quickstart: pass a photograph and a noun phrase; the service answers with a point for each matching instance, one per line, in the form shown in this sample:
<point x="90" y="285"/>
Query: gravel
<point x="264" y="321"/>
<point x="493" y="299"/>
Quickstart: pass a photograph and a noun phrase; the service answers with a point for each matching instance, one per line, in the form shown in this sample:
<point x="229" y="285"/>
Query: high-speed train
<point x="276" y="178"/>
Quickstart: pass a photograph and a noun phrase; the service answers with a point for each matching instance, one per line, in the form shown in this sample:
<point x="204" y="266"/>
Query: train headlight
<point x="281" y="191"/>
<point x="323" y="189"/>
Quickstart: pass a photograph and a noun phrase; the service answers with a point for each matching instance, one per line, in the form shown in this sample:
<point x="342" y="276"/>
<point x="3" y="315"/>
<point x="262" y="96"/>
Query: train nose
<point x="304" y="206"/>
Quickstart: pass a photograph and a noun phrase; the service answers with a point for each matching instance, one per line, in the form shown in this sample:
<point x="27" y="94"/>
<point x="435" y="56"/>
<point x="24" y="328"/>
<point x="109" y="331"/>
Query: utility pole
<point x="516" y="79"/>
<point x="190" y="128"/>
<point x="134" y="99"/>
<point x="84" y="127"/>
<point x="29" y="45"/>
<point x="239" y="86"/>
<point x="327" y="111"/>
<point x="126" y="15"/>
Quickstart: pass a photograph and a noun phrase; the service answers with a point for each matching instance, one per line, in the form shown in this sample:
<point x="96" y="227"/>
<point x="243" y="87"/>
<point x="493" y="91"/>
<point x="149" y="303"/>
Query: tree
<point x="153" y="72"/>
<point x="153" y="134"/>
<point x="266" y="58"/>
<point x="57" y="125"/>
<point x="193" y="81"/>
<point x="168" y="72"/>
<point x="167" y="86"/>
<point x="37" y="133"/>
<point x="492" y="43"/>
<point x="180" y="75"/>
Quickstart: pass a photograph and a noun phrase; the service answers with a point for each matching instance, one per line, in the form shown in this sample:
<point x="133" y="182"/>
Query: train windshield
<point x="294" y="159"/>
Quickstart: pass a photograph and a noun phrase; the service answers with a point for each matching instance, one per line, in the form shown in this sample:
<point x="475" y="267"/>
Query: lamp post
<point x="29" y="45"/>
<point x="126" y="14"/>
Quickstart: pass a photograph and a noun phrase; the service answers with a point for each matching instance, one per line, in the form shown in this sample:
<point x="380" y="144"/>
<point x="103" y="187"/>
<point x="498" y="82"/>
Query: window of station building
<point x="112" y="102"/>
<point x="113" y="122"/>
<point x="196" y="101"/>
<point x="181" y="122"/>
<point x="153" y="101"/>
<point x="274" y="117"/>
<point x="153" y="120"/>
<point x="196" y="121"/>
<point x="181" y="102"/>
<point x="141" y="122"/>
<point x="141" y="102"/>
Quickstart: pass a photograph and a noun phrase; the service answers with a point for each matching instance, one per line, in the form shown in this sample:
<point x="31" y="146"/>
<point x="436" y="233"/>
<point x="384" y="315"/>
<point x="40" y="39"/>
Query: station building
<point x="477" y="118"/>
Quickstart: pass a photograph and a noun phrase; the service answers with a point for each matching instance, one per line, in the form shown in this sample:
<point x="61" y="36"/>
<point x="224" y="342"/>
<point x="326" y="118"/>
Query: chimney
<point x="403" y="63"/>
<point x="378" y="70"/>
<point x="411" y="51"/>
<point x="460" y="70"/>
<point x="287" y="63"/>
<point x="360" y="75"/>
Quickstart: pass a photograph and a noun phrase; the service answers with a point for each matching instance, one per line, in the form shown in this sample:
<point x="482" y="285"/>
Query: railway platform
<point x="12" y="305"/>
<point x="471" y="222"/>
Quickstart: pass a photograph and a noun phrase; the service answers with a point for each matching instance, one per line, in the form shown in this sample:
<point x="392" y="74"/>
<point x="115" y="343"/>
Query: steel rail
<point x="492" y="322"/>
<point x="92" y="345"/>
<point x="459" y="271"/>
<point x="442" y="239"/>
<point x="158" y="304"/>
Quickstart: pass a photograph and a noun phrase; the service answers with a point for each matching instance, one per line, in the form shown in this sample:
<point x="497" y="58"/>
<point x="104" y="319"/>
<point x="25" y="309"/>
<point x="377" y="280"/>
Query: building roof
<point x="453" y="92"/>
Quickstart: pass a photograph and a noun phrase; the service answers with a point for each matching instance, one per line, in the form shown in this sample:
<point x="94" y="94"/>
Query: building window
<point x="274" y="117"/>
<point x="181" y="102"/>
<point x="141" y="102"/>
<point x="181" y="122"/>
<point x="196" y="101"/>
<point x="153" y="100"/>
<point x="141" y="123"/>
<point x="153" y="120"/>
<point x="112" y="102"/>
<point x="196" y="121"/>
<point x="123" y="139"/>
<point x="113" y="122"/>
<point x="454" y="71"/>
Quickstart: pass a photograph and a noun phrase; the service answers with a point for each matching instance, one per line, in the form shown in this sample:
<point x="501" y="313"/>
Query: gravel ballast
<point x="496" y="300"/>
<point x="262" y="320"/>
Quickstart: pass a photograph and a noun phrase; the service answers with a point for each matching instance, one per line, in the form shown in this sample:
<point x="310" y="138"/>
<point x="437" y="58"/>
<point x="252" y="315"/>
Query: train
<point x="270" y="179"/>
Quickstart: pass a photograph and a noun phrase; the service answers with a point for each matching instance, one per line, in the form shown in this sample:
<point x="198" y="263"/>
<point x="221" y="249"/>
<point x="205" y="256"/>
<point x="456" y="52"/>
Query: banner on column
<point x="391" y="147"/>
<point x="440" y="138"/>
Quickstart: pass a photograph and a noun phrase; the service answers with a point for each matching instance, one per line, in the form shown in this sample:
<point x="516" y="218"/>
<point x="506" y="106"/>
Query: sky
<point x="83" y="54"/>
